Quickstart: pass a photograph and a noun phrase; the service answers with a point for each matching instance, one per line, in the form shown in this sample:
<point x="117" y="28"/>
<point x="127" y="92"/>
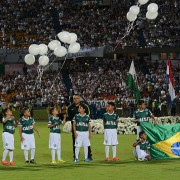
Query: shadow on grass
<point x="94" y="164"/>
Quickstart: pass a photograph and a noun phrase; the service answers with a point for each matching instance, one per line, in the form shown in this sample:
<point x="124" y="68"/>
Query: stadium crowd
<point x="103" y="80"/>
<point x="96" y="25"/>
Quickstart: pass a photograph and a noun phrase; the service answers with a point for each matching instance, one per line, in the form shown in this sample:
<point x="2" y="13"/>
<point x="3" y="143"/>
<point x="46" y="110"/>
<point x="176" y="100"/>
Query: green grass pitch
<point x="125" y="168"/>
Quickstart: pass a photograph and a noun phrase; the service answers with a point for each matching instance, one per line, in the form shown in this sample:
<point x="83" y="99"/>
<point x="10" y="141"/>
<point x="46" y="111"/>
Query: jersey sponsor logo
<point x="27" y="128"/>
<point x="144" y="119"/>
<point x="10" y="127"/>
<point x="110" y="123"/>
<point x="82" y="124"/>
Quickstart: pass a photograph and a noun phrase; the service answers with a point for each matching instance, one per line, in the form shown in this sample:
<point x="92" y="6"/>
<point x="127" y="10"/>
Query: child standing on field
<point x="26" y="131"/>
<point x="142" y="114"/>
<point x="110" y="121"/>
<point x="9" y="125"/>
<point x="141" y="147"/>
<point x="55" y="137"/>
<point x="82" y="132"/>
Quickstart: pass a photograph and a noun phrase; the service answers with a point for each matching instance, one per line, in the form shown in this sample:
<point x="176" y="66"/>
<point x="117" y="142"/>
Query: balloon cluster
<point x="152" y="11"/>
<point x="66" y="38"/>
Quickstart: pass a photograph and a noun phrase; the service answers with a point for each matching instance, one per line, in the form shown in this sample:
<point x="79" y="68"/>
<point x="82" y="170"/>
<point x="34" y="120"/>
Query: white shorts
<point x="82" y="139"/>
<point x="8" y="140"/>
<point x="29" y="142"/>
<point x="54" y="140"/>
<point x="110" y="137"/>
<point x="138" y="153"/>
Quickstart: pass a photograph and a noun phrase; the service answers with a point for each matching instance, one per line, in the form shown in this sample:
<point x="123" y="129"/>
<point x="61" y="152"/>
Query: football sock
<point x="32" y="153"/>
<point x="11" y="156"/>
<point x="5" y="154"/>
<point x="53" y="151"/>
<point x="86" y="152"/>
<point x="58" y="151"/>
<point x="77" y="149"/>
<point x="107" y="151"/>
<point x="26" y="155"/>
<point x="114" y="151"/>
<point x="138" y="151"/>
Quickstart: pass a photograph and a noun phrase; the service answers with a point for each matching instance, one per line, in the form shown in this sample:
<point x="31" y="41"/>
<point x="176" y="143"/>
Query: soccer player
<point x="142" y="114"/>
<point x="142" y="146"/>
<point x="26" y="130"/>
<point x="9" y="125"/>
<point x="82" y="132"/>
<point x="55" y="137"/>
<point x="71" y="112"/>
<point x="110" y="121"/>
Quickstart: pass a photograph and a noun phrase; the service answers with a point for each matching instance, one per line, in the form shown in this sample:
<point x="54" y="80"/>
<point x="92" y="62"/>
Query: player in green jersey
<point x="110" y="121"/>
<point x="82" y="132"/>
<point x="26" y="130"/>
<point x="9" y="125"/>
<point x="142" y="114"/>
<point x="55" y="137"/>
<point x="141" y="147"/>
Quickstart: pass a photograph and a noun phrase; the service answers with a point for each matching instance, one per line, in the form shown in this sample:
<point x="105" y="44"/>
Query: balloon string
<point x="128" y="30"/>
<point x="59" y="71"/>
<point x="50" y="64"/>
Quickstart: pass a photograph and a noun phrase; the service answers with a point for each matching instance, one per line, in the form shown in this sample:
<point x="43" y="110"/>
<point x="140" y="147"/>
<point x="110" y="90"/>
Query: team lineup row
<point x="81" y="130"/>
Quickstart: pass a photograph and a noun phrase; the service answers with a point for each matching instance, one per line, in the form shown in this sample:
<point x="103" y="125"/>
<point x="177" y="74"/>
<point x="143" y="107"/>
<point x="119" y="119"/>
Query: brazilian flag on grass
<point x="164" y="138"/>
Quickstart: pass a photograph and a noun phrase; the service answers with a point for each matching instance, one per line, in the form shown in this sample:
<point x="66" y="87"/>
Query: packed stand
<point x="25" y="89"/>
<point x="106" y="80"/>
<point x="25" y="22"/>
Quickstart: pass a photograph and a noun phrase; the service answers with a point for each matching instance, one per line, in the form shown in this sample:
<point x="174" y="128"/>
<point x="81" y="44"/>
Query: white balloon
<point x="34" y="49"/>
<point x="73" y="38"/>
<point x="60" y="51"/>
<point x="151" y="16"/>
<point x="64" y="36"/>
<point x="54" y="44"/>
<point x="74" y="48"/>
<point x="152" y="8"/>
<point x="43" y="60"/>
<point x="134" y="10"/>
<point x="141" y="2"/>
<point x="43" y="49"/>
<point x="131" y="17"/>
<point x="29" y="59"/>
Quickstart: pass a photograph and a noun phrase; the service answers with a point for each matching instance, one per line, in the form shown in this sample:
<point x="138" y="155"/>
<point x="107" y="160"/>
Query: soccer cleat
<point x="61" y="161"/>
<point x="32" y="161"/>
<point x="54" y="162"/>
<point x="87" y="160"/>
<point x="115" y="159"/>
<point x="5" y="163"/>
<point x="12" y="163"/>
<point x="76" y="160"/>
<point x="27" y="162"/>
<point x="107" y="159"/>
<point x="140" y="159"/>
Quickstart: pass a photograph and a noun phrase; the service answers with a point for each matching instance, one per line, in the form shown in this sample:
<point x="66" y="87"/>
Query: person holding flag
<point x="142" y="114"/>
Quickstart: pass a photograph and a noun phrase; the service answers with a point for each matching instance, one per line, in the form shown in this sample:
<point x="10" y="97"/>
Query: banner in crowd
<point x="164" y="138"/>
<point x="3" y="104"/>
<point x="102" y="103"/>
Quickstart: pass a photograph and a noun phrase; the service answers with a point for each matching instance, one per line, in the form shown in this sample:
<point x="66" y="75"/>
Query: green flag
<point x="132" y="81"/>
<point x="164" y="138"/>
